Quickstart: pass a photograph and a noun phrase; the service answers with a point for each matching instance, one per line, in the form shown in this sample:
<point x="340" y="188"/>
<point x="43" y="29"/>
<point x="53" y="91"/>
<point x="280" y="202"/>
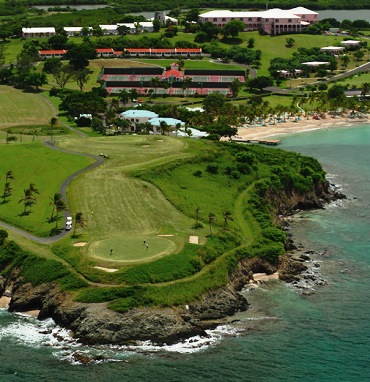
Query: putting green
<point x="131" y="249"/>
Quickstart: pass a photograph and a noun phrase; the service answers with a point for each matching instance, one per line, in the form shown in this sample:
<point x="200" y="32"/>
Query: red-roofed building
<point x="105" y="52"/>
<point x="52" y="53"/>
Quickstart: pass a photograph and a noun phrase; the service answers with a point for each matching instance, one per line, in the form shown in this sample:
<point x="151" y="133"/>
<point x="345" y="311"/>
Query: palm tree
<point x="197" y="210"/>
<point x="79" y="220"/>
<point x="55" y="200"/>
<point x="124" y="96"/>
<point x="8" y="175"/>
<point x="7" y="191"/>
<point x="163" y="127"/>
<point x="53" y="121"/>
<point x="33" y="188"/>
<point x="155" y="83"/>
<point x="60" y="206"/>
<point x="345" y="61"/>
<point x="177" y="128"/>
<point x="28" y="199"/>
<point x="235" y="87"/>
<point x="211" y="220"/>
<point x="226" y="216"/>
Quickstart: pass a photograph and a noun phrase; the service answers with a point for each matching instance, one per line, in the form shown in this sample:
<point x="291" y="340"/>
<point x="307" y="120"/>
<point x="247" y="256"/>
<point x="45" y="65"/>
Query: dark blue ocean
<point x="285" y="336"/>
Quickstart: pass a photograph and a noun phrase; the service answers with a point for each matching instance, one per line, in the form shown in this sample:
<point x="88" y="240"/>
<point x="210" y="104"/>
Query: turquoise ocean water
<point x="323" y="337"/>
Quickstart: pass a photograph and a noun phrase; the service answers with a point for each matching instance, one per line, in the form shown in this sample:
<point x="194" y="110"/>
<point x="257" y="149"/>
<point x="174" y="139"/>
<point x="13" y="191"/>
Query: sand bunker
<point x="194" y="239"/>
<point x="80" y="244"/>
<point x="165" y="235"/>
<point x="109" y="270"/>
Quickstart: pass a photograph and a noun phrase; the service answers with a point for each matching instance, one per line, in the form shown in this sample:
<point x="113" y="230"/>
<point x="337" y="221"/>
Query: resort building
<point x="173" y="82"/>
<point x="136" y="117"/>
<point x="73" y="31"/>
<point x="38" y="32"/>
<point x="273" y="21"/>
<point x="44" y="54"/>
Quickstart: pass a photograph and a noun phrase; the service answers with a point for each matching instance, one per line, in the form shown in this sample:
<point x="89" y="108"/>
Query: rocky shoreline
<point x="96" y="324"/>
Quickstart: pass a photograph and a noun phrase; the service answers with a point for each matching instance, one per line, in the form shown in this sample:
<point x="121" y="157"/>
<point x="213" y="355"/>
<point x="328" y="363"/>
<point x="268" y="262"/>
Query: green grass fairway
<point x="20" y="108"/>
<point x="47" y="169"/>
<point x="131" y="249"/>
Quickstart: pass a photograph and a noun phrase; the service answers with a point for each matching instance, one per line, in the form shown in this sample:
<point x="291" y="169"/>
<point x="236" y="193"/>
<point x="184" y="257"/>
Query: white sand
<point x="194" y="239"/>
<point x="4" y="302"/>
<point x="80" y="244"/>
<point x="263" y="277"/>
<point x="109" y="270"/>
<point x="290" y="127"/>
<point x="165" y="235"/>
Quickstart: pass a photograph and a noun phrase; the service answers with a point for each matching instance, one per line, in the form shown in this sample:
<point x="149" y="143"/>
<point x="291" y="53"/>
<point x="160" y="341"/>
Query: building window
<point x="223" y="19"/>
<point x="214" y="19"/>
<point x="250" y="19"/>
<point x="277" y="20"/>
<point x="289" y="20"/>
<point x="267" y="20"/>
<point x="303" y="16"/>
<point x="258" y="18"/>
<point x="241" y="19"/>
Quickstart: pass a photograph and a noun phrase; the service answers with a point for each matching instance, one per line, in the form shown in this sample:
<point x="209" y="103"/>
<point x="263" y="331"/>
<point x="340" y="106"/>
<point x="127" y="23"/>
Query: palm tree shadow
<point x="25" y="213"/>
<point x="55" y="231"/>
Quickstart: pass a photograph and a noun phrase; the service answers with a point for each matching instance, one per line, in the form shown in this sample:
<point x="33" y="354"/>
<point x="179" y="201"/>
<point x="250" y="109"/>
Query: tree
<point x="187" y="83"/>
<point x="289" y="42"/>
<point x="123" y="30"/>
<point x="155" y="83"/>
<point x="3" y="236"/>
<point x="345" y="61"/>
<point x="211" y="221"/>
<point x="58" y="41"/>
<point x="235" y="87"/>
<point x="51" y="65"/>
<point x="336" y="91"/>
<point x="197" y="210"/>
<point x="260" y="82"/>
<point x="9" y="175"/>
<point x="213" y="103"/>
<point x="156" y="25"/>
<point x="82" y="76"/>
<point x="221" y="130"/>
<point x="226" y="216"/>
<point x="79" y="55"/>
<point x="232" y="28"/>
<point x="124" y="96"/>
<point x="8" y="190"/>
<point x="28" y="199"/>
<point x="251" y="43"/>
<point x="359" y="55"/>
<point x="63" y="75"/>
<point x="35" y="80"/>
<point x="53" y="122"/>
<point x="58" y="205"/>
<point x="2" y="54"/>
<point x="79" y="221"/>
<point x="192" y="15"/>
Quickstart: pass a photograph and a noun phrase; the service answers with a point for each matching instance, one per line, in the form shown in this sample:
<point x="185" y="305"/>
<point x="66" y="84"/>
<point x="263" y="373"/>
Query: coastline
<point x="289" y="127"/>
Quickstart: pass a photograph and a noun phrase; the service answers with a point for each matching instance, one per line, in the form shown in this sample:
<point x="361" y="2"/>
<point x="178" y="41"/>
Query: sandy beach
<point x="290" y="127"/>
<point x="4" y="302"/>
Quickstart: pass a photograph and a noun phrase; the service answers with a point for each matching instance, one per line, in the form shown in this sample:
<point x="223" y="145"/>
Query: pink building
<point x="273" y="21"/>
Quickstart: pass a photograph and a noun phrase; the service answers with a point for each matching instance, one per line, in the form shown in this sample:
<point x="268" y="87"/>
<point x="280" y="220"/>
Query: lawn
<point x="47" y="169"/>
<point x="131" y="249"/>
<point x="20" y="108"/>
